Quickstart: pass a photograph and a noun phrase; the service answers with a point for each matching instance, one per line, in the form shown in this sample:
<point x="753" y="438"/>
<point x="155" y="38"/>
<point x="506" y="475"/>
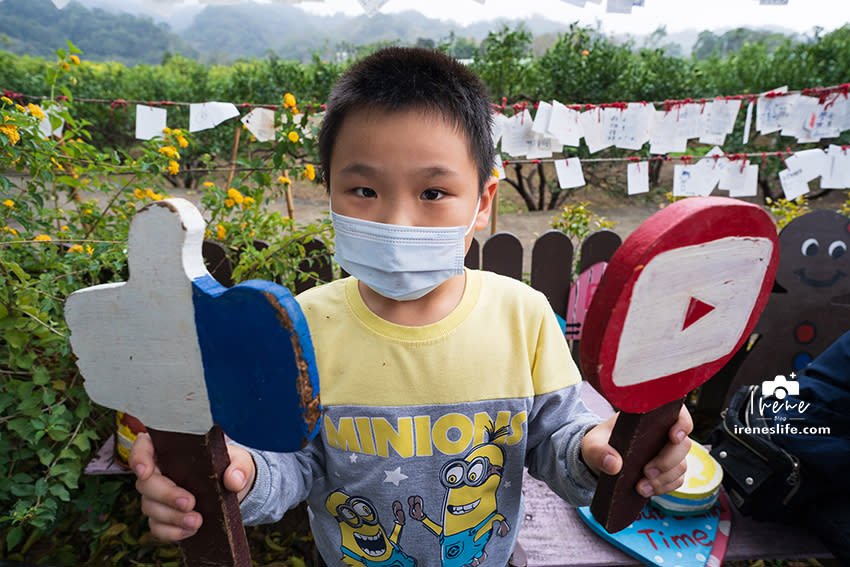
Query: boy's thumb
<point x="234" y="479"/>
<point x="602" y="458"/>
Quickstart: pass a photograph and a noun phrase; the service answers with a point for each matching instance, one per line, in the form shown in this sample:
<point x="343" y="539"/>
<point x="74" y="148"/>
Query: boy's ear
<point x="485" y="207"/>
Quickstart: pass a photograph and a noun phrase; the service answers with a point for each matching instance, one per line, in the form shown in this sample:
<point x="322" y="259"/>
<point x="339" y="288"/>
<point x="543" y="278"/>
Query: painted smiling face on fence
<point x="815" y="259"/>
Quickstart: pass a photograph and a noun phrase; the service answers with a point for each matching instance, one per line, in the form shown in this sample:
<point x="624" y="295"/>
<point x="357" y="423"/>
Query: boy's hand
<point x="662" y="474"/>
<point x="168" y="507"/>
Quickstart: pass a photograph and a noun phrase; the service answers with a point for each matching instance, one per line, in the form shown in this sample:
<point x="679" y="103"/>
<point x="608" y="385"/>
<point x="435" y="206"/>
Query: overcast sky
<point x="799" y="15"/>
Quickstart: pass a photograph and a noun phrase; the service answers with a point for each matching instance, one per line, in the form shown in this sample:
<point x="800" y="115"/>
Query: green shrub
<point x="65" y="217"/>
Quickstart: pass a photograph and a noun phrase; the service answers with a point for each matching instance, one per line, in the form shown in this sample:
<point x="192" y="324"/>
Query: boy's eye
<point x="365" y="192"/>
<point x="432" y="195"/>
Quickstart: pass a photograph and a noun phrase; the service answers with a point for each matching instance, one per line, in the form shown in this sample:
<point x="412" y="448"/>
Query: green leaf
<point x="41" y="487"/>
<point x="115" y="530"/>
<point x="14" y="537"/>
<point x="60" y="492"/>
<point x="82" y="443"/>
<point x="40" y="376"/>
<point x="16" y="338"/>
<point x="45" y="456"/>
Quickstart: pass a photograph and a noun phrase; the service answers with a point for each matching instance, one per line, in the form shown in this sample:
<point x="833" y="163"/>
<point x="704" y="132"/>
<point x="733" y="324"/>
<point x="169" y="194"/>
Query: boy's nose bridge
<point x="394" y="210"/>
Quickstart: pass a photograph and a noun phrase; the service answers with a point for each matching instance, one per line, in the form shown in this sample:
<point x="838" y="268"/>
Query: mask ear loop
<point x="474" y="217"/>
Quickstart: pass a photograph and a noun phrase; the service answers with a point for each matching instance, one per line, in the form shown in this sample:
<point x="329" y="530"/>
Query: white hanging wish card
<point x="541" y="118"/>
<point x="823" y="123"/>
<point x="684" y="184"/>
<point x="579" y="3"/>
<point x="634" y="126"/>
<point x="748" y="123"/>
<point x="664" y="135"/>
<point x="841" y="112"/>
<point x="638" y="178"/>
<point x="517" y="137"/>
<point x="793" y="183"/>
<point x="691" y="181"/>
<point x="569" y="173"/>
<point x="564" y="125"/>
<point x="613" y="120"/>
<point x="595" y="131"/>
<point x="689" y="118"/>
<point x="799" y="117"/>
<point x="711" y="169"/>
<point x="619" y="6"/>
<point x="542" y="147"/>
<point x="811" y="162"/>
<point x="260" y="122"/>
<point x="718" y="121"/>
<point x="740" y="178"/>
<point x="205" y="115"/>
<point x="150" y="121"/>
<point x="772" y="111"/>
<point x="500" y="122"/>
<point x="837" y="174"/>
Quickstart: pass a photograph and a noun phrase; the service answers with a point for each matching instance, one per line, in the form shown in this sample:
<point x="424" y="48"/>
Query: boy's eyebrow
<point x="360" y="168"/>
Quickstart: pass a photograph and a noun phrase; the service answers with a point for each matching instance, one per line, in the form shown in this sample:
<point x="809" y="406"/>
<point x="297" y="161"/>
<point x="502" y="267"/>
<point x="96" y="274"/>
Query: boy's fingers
<point x="142" y="457"/>
<point x="164" y="518"/>
<point x="666" y="471"/>
<point x="683" y="427"/>
<point x="597" y="453"/>
<point x="161" y="489"/>
<point x="239" y="475"/>
<point x="610" y="461"/>
<point x="169" y="532"/>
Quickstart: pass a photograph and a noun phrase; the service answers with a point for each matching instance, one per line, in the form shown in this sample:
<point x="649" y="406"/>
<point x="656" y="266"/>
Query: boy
<point x="438" y="383"/>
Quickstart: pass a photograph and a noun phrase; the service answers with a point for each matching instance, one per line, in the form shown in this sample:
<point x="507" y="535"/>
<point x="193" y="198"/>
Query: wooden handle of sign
<point x="638" y="437"/>
<point x="197" y="463"/>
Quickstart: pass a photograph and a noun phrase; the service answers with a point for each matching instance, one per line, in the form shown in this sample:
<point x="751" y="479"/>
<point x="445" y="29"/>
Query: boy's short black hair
<point x="404" y="78"/>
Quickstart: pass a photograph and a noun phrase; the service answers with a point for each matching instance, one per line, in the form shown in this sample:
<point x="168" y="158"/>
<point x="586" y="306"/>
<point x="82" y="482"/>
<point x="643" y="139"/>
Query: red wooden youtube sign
<point x="677" y="300"/>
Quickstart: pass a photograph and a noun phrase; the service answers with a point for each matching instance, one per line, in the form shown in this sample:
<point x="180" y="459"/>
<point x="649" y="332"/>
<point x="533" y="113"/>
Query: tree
<point x="500" y="61"/>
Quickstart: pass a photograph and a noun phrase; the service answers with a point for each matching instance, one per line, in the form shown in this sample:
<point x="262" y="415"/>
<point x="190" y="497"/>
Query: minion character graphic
<point x="364" y="541"/>
<point x="470" y="515"/>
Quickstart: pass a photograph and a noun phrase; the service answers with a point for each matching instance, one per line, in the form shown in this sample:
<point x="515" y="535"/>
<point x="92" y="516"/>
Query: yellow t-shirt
<point x="432" y="425"/>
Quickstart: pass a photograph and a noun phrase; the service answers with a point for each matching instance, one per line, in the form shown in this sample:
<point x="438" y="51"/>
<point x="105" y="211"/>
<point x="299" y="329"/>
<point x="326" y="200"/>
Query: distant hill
<point x="252" y="30"/>
<point x="130" y="32"/>
<point x="37" y="27"/>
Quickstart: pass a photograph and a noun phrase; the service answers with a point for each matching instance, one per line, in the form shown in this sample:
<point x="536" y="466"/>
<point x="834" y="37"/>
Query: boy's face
<point x="406" y="168"/>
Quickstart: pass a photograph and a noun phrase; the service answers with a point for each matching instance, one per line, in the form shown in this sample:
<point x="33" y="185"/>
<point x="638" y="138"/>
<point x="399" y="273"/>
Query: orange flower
<point x="235" y="195"/>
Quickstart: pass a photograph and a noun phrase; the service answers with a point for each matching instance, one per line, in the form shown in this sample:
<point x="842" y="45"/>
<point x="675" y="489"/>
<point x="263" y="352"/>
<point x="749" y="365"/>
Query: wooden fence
<point x="551" y="261"/>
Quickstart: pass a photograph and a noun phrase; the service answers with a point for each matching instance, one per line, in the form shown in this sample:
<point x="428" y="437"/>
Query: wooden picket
<point x="502" y="254"/>
<point x="598" y="247"/>
<point x="551" y="268"/>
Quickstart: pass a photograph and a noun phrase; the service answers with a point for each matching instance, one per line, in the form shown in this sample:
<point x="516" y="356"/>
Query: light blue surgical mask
<point x="399" y="262"/>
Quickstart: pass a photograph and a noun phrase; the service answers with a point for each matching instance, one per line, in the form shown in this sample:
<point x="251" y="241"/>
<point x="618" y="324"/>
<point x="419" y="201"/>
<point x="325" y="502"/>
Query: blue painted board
<point x="256" y="352"/>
